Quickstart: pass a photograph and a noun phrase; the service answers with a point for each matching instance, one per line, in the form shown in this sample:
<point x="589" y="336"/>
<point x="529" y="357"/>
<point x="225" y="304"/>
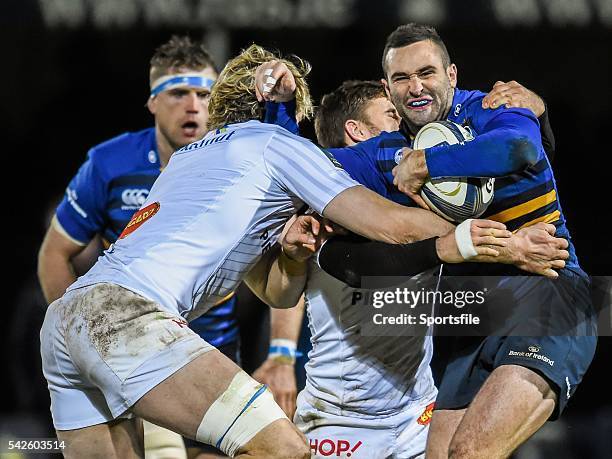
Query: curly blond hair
<point x="233" y="98"/>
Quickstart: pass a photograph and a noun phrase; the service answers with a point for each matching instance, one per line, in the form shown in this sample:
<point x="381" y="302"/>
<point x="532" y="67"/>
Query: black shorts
<point x="551" y="330"/>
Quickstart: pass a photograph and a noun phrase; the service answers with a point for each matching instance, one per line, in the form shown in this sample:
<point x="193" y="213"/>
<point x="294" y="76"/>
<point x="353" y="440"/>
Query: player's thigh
<point x="443" y="425"/>
<point x="196" y="449"/>
<point x="117" y="439"/>
<point x="513" y="403"/>
<point x="180" y="401"/>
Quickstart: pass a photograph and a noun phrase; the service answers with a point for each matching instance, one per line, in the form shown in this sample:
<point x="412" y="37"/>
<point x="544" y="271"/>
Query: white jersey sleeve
<point x="306" y="171"/>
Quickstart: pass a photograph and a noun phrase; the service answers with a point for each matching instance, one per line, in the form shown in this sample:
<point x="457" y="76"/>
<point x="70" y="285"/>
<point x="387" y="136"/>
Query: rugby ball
<point x="458" y="198"/>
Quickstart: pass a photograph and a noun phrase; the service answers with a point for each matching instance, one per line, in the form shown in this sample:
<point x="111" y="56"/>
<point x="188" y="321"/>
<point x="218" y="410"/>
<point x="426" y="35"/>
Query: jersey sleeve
<point x="81" y="211"/>
<point x="351" y="257"/>
<point x="548" y="136"/>
<point x="360" y="163"/>
<point x="283" y="115"/>
<point x="508" y="141"/>
<point x="305" y="170"/>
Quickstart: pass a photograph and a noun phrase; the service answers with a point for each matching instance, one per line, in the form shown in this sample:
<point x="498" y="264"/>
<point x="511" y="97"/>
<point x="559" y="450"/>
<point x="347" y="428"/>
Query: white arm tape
<point x="463" y="237"/>
<point x="244" y="409"/>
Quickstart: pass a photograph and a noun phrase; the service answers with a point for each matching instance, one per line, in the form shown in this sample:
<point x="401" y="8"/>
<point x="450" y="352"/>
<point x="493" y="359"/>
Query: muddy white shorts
<point x="400" y="435"/>
<point x="103" y="347"/>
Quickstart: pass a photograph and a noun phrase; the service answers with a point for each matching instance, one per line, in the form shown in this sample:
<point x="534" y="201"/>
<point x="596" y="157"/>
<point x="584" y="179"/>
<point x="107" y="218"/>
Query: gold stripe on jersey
<point x="524" y="208"/>
<point x="224" y="299"/>
<point x="548" y="218"/>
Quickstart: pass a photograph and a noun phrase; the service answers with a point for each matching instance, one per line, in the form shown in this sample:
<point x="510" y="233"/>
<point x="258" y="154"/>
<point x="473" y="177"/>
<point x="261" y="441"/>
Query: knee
<point x="298" y="449"/>
<point x="293" y="447"/>
<point x="281" y="441"/>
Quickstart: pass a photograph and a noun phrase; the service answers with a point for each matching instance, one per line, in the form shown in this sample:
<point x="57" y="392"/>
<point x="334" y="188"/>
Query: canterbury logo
<point x="139" y="218"/>
<point x="134" y="197"/>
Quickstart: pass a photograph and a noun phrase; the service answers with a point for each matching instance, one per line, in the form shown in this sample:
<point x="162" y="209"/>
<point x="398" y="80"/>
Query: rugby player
<point x="371" y="396"/>
<point x="116" y="179"/>
<point x="521" y="390"/>
<point x="495" y="375"/>
<point x="116" y="345"/>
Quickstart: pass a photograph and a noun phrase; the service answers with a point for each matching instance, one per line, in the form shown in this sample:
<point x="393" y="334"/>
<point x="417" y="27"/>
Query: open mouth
<point x="190" y="128"/>
<point x="421" y="103"/>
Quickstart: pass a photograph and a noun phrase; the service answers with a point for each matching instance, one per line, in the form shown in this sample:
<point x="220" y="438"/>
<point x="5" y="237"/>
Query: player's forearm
<point x="282" y="114"/>
<point x="287" y="323"/>
<point x="277" y="280"/>
<point x="505" y="149"/>
<point x="350" y="258"/>
<point x="364" y="212"/>
<point x="286" y="282"/>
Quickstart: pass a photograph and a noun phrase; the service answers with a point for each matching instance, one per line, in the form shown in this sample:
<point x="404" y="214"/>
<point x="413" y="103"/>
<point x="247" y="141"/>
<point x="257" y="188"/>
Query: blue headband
<point x="184" y="80"/>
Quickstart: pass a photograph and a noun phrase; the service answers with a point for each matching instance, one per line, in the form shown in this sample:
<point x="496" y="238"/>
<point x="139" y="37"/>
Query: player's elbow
<point x="282" y="301"/>
<point x="47" y="257"/>
<point x="43" y="271"/>
<point x="523" y="151"/>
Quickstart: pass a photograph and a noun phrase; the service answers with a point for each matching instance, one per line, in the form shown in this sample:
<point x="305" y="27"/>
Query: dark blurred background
<point x="75" y="73"/>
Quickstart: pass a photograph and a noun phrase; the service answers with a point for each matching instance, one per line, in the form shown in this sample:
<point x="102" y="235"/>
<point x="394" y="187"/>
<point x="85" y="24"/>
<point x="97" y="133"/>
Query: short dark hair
<point x="348" y="101"/>
<point x="408" y="34"/>
<point x="179" y="52"/>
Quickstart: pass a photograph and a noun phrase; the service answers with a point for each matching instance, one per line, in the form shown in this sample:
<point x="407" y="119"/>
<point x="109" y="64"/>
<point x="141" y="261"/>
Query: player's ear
<point x="383" y="81"/>
<point x="152" y="104"/>
<point x="353" y="130"/>
<point x="451" y="72"/>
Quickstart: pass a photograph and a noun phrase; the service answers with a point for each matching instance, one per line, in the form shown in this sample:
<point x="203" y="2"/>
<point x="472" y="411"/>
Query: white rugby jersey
<point x="355" y="375"/>
<point x="215" y="209"/>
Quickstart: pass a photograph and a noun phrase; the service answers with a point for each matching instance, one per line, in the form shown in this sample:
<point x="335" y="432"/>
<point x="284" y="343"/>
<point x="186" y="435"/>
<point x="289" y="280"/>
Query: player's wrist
<point x="283" y="351"/>
<point x="446" y="249"/>
<point x="420" y="164"/>
<point x="457" y="246"/>
<point x="292" y="265"/>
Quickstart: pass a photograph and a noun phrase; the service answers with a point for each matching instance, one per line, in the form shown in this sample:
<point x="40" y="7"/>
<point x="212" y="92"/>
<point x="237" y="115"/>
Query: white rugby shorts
<point x="399" y="435"/>
<point x="103" y="347"/>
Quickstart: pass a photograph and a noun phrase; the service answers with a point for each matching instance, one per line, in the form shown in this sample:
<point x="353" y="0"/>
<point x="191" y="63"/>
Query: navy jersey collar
<point x="459" y="99"/>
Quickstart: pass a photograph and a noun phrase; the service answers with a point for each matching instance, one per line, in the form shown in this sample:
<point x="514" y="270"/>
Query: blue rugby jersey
<point x="108" y="188"/>
<point x="507" y="146"/>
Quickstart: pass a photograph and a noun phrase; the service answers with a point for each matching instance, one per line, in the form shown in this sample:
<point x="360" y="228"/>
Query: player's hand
<point x="536" y="249"/>
<point x="280" y="378"/>
<point x="490" y="239"/>
<point x="513" y="94"/>
<point x="274" y="82"/>
<point x="306" y="235"/>
<point x="410" y="175"/>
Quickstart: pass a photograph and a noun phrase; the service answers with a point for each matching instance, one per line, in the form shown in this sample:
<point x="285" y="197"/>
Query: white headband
<point x="191" y="80"/>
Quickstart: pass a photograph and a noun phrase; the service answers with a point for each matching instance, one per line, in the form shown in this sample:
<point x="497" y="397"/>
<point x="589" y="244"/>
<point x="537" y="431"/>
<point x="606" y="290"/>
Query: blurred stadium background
<point x="75" y="72"/>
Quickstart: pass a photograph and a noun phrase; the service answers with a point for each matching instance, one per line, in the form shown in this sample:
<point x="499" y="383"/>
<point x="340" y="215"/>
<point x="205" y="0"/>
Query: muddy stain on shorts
<point x="113" y="316"/>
